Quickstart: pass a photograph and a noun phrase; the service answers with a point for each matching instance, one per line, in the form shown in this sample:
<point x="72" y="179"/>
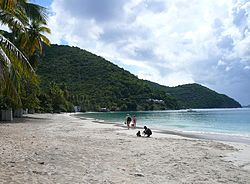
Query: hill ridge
<point x="100" y="83"/>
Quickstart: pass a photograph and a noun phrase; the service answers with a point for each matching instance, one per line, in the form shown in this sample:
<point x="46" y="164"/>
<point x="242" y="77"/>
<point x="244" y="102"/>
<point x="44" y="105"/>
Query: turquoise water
<point x="213" y="121"/>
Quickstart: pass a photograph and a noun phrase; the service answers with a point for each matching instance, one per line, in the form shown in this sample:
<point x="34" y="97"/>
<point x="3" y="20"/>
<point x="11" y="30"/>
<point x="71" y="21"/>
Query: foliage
<point x="19" y="47"/>
<point x="55" y="99"/>
<point x="29" y="93"/>
<point x="94" y="83"/>
<point x="197" y="96"/>
<point x="5" y="102"/>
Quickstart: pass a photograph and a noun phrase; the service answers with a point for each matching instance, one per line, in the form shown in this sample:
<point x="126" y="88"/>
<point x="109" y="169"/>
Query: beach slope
<point x="59" y="148"/>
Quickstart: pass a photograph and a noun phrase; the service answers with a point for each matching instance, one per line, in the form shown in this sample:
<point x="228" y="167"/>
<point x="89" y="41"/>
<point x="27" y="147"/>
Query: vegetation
<point x="197" y="96"/>
<point x="94" y="83"/>
<point x="20" y="48"/>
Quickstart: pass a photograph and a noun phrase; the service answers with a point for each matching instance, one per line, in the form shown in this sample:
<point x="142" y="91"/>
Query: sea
<point x="231" y="124"/>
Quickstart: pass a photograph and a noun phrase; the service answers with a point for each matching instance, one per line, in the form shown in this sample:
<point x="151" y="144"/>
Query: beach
<point x="60" y="148"/>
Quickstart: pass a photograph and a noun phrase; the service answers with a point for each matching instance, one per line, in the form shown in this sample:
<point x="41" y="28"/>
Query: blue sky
<point x="45" y="3"/>
<point x="169" y="42"/>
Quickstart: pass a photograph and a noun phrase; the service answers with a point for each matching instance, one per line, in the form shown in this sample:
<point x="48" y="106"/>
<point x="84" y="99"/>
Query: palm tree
<point x="33" y="39"/>
<point x="26" y="22"/>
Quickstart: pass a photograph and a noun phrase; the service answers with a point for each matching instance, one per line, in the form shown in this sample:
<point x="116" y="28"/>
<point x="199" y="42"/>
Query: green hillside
<point x="94" y="83"/>
<point x="197" y="96"/>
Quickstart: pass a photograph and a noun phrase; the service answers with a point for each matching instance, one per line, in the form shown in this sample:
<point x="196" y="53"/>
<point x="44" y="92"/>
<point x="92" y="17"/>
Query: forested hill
<point x="94" y="83"/>
<point x="197" y="96"/>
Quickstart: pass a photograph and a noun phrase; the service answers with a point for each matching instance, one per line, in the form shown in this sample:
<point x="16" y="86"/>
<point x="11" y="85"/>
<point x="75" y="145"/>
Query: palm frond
<point x="8" y="4"/>
<point x="34" y="11"/>
<point x="45" y="39"/>
<point x="44" y="29"/>
<point x="12" y="87"/>
<point x="14" y="23"/>
<point x="12" y="48"/>
<point x="4" y="58"/>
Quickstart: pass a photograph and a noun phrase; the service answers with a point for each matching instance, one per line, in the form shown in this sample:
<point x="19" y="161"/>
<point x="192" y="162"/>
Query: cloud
<point x="169" y="42"/>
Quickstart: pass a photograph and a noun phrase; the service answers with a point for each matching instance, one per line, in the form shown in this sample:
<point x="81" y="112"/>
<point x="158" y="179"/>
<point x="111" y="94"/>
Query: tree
<point x="13" y="65"/>
<point x="33" y="39"/>
<point x="58" y="98"/>
<point x="19" y="47"/>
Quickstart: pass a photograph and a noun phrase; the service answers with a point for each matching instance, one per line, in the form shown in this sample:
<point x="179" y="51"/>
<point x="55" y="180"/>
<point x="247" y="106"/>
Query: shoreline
<point x="59" y="148"/>
<point x="240" y="157"/>
<point x="224" y="137"/>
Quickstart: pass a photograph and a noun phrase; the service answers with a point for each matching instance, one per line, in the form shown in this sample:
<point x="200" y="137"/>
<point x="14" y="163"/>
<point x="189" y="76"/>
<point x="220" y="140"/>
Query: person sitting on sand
<point x="147" y="131"/>
<point x="138" y="134"/>
<point x="128" y="120"/>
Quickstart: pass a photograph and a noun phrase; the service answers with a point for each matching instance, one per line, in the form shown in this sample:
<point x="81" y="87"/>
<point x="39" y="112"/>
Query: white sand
<point x="58" y="148"/>
<point x="241" y="158"/>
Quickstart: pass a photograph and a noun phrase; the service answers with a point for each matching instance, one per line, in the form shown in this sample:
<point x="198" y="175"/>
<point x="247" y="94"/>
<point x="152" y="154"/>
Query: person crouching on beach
<point x="138" y="134"/>
<point x="128" y="120"/>
<point x="147" y="131"/>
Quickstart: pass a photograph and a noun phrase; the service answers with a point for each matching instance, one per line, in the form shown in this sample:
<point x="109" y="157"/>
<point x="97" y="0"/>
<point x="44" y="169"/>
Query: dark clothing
<point x="129" y="119"/>
<point x="147" y="132"/>
<point x="138" y="134"/>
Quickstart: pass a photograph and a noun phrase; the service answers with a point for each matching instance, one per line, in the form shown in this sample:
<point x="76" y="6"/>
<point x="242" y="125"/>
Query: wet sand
<point x="58" y="148"/>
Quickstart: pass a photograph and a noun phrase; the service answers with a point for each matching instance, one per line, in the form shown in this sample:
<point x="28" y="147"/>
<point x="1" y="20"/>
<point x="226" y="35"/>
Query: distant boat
<point x="104" y="109"/>
<point x="190" y="110"/>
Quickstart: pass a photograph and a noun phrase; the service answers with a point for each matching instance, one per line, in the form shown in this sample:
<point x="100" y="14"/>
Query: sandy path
<point x="63" y="149"/>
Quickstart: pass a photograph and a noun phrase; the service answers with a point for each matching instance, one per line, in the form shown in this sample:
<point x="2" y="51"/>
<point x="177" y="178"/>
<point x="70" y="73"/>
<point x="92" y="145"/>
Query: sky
<point x="171" y="42"/>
